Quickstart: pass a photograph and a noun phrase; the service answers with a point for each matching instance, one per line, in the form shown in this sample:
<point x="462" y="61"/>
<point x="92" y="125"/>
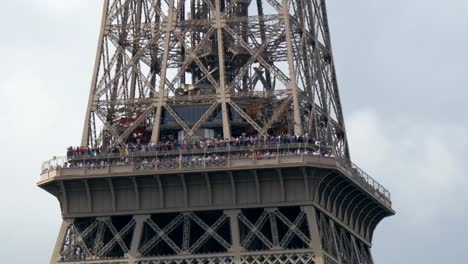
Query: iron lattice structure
<point x="263" y="68"/>
<point x="191" y="69"/>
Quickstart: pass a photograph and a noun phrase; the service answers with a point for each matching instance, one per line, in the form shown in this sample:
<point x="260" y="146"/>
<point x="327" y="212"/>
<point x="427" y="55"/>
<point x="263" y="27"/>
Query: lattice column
<point x="87" y="129"/>
<point x="158" y="59"/>
<point x="333" y="234"/>
<point x="315" y="242"/>
<point x="356" y="250"/>
<point x="235" y="238"/>
<point x="61" y="237"/>
<point x="136" y="238"/>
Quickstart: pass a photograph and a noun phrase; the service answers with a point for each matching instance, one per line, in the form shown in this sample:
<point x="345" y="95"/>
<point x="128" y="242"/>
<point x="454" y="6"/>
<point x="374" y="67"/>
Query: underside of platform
<point x="287" y="235"/>
<point x="272" y="215"/>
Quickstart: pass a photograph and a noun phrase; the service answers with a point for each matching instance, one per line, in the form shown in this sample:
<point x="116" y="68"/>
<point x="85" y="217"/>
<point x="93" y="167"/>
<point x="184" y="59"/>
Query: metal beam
<point x="208" y="188"/>
<point x="222" y="78"/>
<point x="279" y="173"/>
<point x="184" y="189"/>
<point x="133" y="254"/>
<point x="87" y="124"/>
<point x="110" y="185"/>
<point x="66" y="223"/>
<point x="136" y="190"/>
<point x="258" y="188"/>
<point x="160" y="189"/>
<point x="88" y="195"/>
<point x="292" y="86"/>
<point x="233" y="187"/>
<point x="168" y="28"/>
<point x="315" y="242"/>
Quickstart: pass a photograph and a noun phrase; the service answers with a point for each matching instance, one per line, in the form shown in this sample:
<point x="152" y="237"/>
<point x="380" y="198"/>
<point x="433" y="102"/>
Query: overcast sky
<point x="403" y="74"/>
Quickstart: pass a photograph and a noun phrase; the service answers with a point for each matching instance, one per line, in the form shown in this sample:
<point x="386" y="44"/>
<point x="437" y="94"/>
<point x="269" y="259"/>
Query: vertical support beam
<point x="356" y="250"/>
<point x="281" y="182"/>
<point x="88" y="195"/>
<point x="133" y="254"/>
<point x="137" y="192"/>
<point x="86" y="127"/>
<point x="60" y="239"/>
<point x="235" y="234"/>
<point x="112" y="193"/>
<point x="306" y="183"/>
<point x="335" y="242"/>
<point x="184" y="188"/>
<point x="317" y="64"/>
<point x="315" y="241"/>
<point x="292" y="85"/>
<point x="186" y="234"/>
<point x="161" y="190"/>
<point x="264" y="39"/>
<point x="233" y="187"/>
<point x="336" y="93"/>
<point x="208" y="188"/>
<point x="273" y="227"/>
<point x="135" y="47"/>
<point x="64" y="200"/>
<point x="257" y="187"/>
<point x="222" y="76"/>
<point x="162" y="84"/>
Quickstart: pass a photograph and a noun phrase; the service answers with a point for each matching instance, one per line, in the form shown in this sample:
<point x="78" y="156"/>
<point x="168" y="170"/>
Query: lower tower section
<point x="289" y="209"/>
<point x="290" y="235"/>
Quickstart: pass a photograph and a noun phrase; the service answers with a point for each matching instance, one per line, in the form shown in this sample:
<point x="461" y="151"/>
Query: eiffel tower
<point x="214" y="133"/>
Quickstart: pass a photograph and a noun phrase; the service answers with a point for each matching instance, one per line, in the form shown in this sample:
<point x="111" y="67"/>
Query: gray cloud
<point x="426" y="172"/>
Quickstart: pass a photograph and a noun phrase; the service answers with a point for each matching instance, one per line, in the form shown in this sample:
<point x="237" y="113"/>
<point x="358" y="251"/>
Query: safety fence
<point x="221" y="157"/>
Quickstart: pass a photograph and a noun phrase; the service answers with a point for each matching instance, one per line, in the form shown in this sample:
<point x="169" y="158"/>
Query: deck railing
<point x="221" y="157"/>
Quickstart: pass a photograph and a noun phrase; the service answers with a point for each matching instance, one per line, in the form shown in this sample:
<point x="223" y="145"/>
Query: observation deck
<point x="165" y="179"/>
<point x="155" y="179"/>
<point x="209" y="159"/>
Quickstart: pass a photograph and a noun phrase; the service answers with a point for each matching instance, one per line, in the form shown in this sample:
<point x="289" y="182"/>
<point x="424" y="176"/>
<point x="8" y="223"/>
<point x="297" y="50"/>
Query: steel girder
<point x="286" y="235"/>
<point x="150" y="48"/>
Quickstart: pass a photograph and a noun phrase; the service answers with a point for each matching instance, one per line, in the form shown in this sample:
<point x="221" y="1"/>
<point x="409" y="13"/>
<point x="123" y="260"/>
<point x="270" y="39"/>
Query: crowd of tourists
<point x="161" y="160"/>
<point x="211" y="152"/>
<point x="192" y="144"/>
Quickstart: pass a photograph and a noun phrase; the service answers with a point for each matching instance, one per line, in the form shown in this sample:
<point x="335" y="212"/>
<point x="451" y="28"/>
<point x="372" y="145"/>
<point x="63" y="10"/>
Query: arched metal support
<point x="136" y="190"/>
<point x="334" y="187"/>
<point x="110" y="185"/>
<point x="89" y="197"/>
<point x="160" y="190"/>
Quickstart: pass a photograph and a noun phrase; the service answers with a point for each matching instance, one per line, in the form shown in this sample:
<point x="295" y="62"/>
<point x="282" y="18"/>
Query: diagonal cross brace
<point x="209" y="231"/>
<point x="245" y="116"/>
<point x="118" y="237"/>
<point x="195" y="58"/>
<point x="280" y="75"/>
<point x="109" y="127"/>
<point x="191" y="58"/>
<point x="253" y="58"/>
<point x="255" y="230"/>
<point x="276" y="114"/>
<point x="293" y="228"/>
<point x="81" y="242"/>
<point x="98" y="243"/>
<point x="177" y="118"/>
<point x="202" y="120"/>
<point x="161" y="234"/>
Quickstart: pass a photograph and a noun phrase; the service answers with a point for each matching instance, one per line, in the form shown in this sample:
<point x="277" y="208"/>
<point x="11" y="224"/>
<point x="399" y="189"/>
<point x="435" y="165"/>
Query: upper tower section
<point x="179" y="69"/>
